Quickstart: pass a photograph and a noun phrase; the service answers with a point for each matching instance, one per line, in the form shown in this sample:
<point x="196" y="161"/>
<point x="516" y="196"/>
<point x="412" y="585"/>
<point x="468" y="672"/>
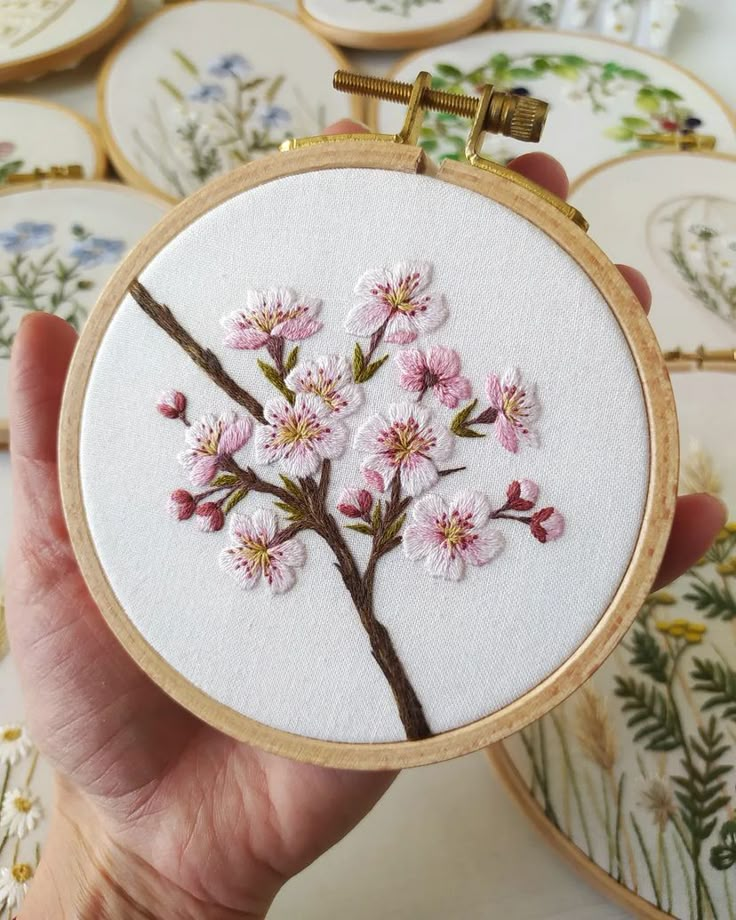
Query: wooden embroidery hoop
<point x="123" y="166"/>
<point x="54" y="184"/>
<point x="401" y="40"/>
<point x="70" y="53"/>
<point x="90" y="129"/>
<point x="558" y="221"/>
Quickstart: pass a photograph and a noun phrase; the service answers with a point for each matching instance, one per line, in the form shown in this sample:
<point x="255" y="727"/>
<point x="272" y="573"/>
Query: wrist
<point x="85" y="875"/>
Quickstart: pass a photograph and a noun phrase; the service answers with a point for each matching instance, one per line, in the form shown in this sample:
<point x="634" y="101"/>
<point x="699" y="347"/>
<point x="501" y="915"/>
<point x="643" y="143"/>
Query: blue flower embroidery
<point x="229" y="65"/>
<point x="26" y="235"/>
<point x="96" y="250"/>
<point x="273" y="116"/>
<point x="207" y="92"/>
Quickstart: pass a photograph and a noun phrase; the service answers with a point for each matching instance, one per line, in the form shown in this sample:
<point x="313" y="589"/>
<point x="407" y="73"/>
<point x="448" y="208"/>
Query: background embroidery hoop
<point x="399" y="39"/>
<point x="153" y="201"/>
<point x="70" y="52"/>
<point x="96" y="150"/>
<point x="659" y="506"/>
<point x="380" y="118"/>
<point x="127" y="170"/>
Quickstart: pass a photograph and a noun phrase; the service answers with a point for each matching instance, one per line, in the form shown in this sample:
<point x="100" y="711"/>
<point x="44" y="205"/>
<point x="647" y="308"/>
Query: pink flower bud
<point x="171" y="404"/>
<point x="373" y="479"/>
<point x="522" y="495"/>
<point x="547" y="524"/>
<point x="210" y="517"/>
<point x="355" y="503"/>
<point x="181" y="504"/>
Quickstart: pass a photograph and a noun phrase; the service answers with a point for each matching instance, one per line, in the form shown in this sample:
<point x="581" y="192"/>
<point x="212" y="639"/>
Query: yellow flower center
<point x="23" y="804"/>
<point x="404" y="440"/>
<point x="260" y="555"/>
<point x="22" y="873"/>
<point x="298" y="430"/>
<point x="11" y="734"/>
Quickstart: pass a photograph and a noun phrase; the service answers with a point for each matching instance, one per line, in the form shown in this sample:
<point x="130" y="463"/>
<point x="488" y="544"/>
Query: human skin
<point x="157" y="814"/>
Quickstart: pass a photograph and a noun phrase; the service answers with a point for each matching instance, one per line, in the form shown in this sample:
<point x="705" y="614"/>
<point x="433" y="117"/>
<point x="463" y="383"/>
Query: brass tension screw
<point x="520" y="117"/>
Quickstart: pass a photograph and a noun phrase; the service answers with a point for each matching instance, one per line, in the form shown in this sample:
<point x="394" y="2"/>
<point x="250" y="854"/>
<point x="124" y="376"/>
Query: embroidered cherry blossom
<point x="449" y="537"/>
<point x="522" y="495"/>
<point x="355" y="503"/>
<point x="301" y="436"/>
<point x="407" y="444"/>
<point x="210" y="517"/>
<point x="275" y="313"/>
<point x="517" y="407"/>
<point x="547" y="524"/>
<point x="212" y="441"/>
<point x="20" y="813"/>
<point x="330" y="378"/>
<point x="172" y="404"/>
<point x="398" y="302"/>
<point x="181" y="504"/>
<point x="259" y="550"/>
<point x="437" y="369"/>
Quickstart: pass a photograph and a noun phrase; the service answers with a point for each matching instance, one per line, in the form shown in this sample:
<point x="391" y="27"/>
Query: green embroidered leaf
<point x="233" y="499"/>
<point x="369" y="371"/>
<point x="274" y="378"/>
<point x="573" y="60"/>
<point x="723" y="855"/>
<point x="7" y="169"/>
<point x="186" y="62"/>
<point x="376" y="516"/>
<point x="171" y="89"/>
<point x="523" y="73"/>
<point x="361" y="528"/>
<point x="463" y="415"/>
<point x="393" y="530"/>
<point x="224" y="479"/>
<point x="274" y="88"/>
<point x="713" y="601"/>
<point x="291" y="360"/>
<point x="649" y="657"/>
<point x="701" y="791"/>
<point x="719" y="682"/>
<point x="449" y="70"/>
<point x="650" y="714"/>
<point x="290" y="486"/>
<point x="358" y="361"/>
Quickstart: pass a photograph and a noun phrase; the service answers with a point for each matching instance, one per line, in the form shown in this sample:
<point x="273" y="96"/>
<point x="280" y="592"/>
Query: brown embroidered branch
<point x="203" y="357"/>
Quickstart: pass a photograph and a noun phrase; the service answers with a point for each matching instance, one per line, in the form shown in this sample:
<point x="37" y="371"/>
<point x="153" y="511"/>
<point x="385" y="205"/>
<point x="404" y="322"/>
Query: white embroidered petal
<point x="20" y="812"/>
<point x="291" y="552"/>
<point x="416" y="542"/>
<point x="264" y="524"/>
<point x="235" y="563"/>
<point x="279" y="578"/>
<point x="15" y="744"/>
<point x="440" y="563"/>
<point x="332" y="441"/>
<point x="473" y="506"/>
<point x="368" y="435"/>
<point x="486" y="546"/>
<point x="418" y="476"/>
<point x="300" y="460"/>
<point x="428" y="509"/>
<point x="444" y="443"/>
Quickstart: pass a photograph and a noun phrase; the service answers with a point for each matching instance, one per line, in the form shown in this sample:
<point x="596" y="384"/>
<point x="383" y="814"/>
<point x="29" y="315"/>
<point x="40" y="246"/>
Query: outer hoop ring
<point x="70" y="53"/>
<point x="400" y="41"/>
<point x="123" y="166"/>
<point x="66" y="184"/>
<point x="90" y="129"/>
<point x="658" y="513"/>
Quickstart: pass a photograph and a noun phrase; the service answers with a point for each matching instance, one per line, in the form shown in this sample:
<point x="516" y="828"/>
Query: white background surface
<point x="445" y="843"/>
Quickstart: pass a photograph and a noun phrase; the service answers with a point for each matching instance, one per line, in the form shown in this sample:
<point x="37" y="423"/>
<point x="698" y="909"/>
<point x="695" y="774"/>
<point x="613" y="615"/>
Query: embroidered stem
<point x="202" y="357"/>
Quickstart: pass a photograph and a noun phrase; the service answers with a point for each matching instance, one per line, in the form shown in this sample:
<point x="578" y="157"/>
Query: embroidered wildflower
<point x="274" y="313"/>
<point x="207" y="92"/>
<point x="172" y="404"/>
<point x="273" y="116"/>
<point x="229" y="65"/>
<point x="522" y="495"/>
<point x="398" y="301"/>
<point x="330" y="378"/>
<point x="437" y="369"/>
<point x="301" y="436"/>
<point x="259" y="550"/>
<point x="517" y="407"/>
<point x="96" y="250"/>
<point x="210" y="442"/>
<point x="14" y="884"/>
<point x="355" y="503"/>
<point x="15" y="744"/>
<point x="210" y="517"/>
<point x="26" y="235"/>
<point x="547" y="524"/>
<point x="181" y="504"/>
<point x="406" y="444"/>
<point x="449" y="537"/>
<point x="20" y="813"/>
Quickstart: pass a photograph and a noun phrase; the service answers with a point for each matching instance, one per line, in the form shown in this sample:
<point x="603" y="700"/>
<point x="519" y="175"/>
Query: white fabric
<point x="581" y="118"/>
<point x="648" y="191"/>
<point x="301" y="661"/>
<point x="33" y="27"/>
<point x="389" y="16"/>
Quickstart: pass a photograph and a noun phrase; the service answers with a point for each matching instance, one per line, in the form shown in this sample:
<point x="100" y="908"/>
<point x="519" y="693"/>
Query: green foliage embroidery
<point x="718" y="681"/>
<point x="650" y="714"/>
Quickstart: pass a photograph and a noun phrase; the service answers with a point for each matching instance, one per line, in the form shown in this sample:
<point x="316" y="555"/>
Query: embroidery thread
<point x="304" y="429"/>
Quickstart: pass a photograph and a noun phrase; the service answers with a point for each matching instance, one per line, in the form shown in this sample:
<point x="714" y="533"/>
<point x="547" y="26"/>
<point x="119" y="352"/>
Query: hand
<point x="159" y="815"/>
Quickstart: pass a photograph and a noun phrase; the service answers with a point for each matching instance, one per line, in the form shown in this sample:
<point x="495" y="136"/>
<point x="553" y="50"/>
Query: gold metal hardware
<point x="701" y="359"/>
<point x="680" y="141"/>
<point x="71" y="171"/>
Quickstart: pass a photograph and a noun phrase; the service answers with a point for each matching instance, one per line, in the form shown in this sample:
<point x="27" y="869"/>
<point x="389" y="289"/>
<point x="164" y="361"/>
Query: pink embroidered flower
<point x="259" y="550"/>
<point x="373" y="479"/>
<point x="438" y="369"/>
<point x="181" y="504"/>
<point x="517" y="409"/>
<point x="355" y="503"/>
<point x="211" y="441"/>
<point x="6" y="148"/>
<point x="547" y="524"/>
<point x="330" y="378"/>
<point x="210" y="517"/>
<point x="522" y="495"/>
<point x="275" y="313"/>
<point x="301" y="436"/>
<point x="407" y="444"/>
<point x="397" y="300"/>
<point x="450" y="537"/>
<point x="172" y="404"/>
